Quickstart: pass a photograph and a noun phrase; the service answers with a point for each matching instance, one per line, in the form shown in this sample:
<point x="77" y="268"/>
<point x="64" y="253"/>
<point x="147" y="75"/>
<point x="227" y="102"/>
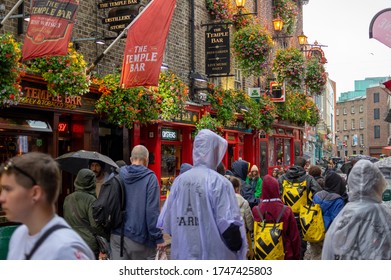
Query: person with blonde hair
<point x="255" y="181"/>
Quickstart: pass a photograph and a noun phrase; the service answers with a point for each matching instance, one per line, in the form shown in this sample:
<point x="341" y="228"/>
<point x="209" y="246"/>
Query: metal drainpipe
<point x="192" y="49"/>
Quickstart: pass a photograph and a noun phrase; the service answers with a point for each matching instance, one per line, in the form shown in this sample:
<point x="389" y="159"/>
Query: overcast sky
<point x="343" y="25"/>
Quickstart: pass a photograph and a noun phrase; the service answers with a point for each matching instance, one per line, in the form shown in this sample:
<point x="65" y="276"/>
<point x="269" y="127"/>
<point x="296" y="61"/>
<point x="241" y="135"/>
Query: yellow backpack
<point x="268" y="241"/>
<point x="295" y="195"/>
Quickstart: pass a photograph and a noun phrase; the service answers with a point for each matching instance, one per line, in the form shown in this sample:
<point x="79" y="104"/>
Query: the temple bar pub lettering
<point x="217" y="52"/>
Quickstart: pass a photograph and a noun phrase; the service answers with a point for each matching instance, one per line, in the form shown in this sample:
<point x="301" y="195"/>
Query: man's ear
<point x="36" y="193"/>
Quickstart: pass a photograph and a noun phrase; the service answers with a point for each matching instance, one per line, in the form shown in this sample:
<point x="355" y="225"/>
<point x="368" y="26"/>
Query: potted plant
<point x="286" y="10"/>
<point x="10" y="54"/>
<point x="289" y="67"/>
<point x="65" y="75"/>
<point x="315" y="76"/>
<point x="252" y="46"/>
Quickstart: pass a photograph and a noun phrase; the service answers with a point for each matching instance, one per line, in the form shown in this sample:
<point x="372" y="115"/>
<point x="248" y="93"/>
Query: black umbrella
<point x="74" y="161"/>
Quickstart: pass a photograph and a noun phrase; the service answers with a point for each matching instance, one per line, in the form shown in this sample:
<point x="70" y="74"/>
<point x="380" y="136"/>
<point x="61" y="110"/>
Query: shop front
<point x="52" y="125"/>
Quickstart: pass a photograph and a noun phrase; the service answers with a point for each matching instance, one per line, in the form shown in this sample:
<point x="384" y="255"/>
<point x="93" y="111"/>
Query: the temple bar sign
<point x="217" y="51"/>
<point x="113" y="4"/>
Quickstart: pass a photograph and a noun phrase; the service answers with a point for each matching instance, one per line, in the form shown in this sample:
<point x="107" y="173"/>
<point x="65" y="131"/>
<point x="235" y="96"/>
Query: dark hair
<point x="235" y="182"/>
<point x="300" y="161"/>
<point x="315" y="171"/>
<point x="101" y="163"/>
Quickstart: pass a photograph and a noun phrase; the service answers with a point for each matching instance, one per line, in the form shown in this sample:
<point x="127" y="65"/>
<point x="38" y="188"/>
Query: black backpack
<point x="109" y="208"/>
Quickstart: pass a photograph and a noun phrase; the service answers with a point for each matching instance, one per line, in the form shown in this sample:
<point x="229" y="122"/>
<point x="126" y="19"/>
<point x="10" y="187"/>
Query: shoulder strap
<point x="122" y="188"/>
<point x="280" y="215"/>
<point x="259" y="213"/>
<point x="121" y="184"/>
<point x="42" y="239"/>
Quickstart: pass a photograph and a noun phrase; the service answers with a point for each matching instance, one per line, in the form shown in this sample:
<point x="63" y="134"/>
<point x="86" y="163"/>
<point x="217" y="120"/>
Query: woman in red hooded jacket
<point x="272" y="203"/>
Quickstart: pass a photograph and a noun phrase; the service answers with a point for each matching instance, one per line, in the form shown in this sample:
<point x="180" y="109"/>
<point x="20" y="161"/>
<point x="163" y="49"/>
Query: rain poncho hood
<point x="185" y="167"/>
<point x="85" y="181"/>
<point x="362" y="229"/>
<point x="209" y="149"/>
<point x="202" y="205"/>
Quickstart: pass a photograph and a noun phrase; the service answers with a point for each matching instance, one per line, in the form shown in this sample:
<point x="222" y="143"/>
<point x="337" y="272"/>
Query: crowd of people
<point x="209" y="213"/>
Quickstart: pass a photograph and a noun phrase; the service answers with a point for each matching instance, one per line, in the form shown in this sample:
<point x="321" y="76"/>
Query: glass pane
<point x="170" y="165"/>
<point x="272" y="159"/>
<point x="279" y="144"/>
<point x="287" y="152"/>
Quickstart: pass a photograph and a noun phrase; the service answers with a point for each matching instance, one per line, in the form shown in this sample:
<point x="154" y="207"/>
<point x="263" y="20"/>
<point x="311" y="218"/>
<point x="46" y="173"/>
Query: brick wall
<point x="177" y="55"/>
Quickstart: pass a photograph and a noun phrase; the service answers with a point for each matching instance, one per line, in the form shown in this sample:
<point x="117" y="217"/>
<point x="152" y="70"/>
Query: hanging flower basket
<point x="298" y="108"/>
<point x="219" y="9"/>
<point x="289" y="66"/>
<point x="10" y="54"/>
<point x="172" y="95"/>
<point x="124" y="106"/>
<point x="208" y="122"/>
<point x="222" y="103"/>
<point x="65" y="75"/>
<point x="315" y="77"/>
<point x="288" y="11"/>
<point x="252" y="46"/>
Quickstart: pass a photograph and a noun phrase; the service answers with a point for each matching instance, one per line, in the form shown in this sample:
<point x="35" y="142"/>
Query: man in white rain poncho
<point x="362" y="230"/>
<point x="202" y="214"/>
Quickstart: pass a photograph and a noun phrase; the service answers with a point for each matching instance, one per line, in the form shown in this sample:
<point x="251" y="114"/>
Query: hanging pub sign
<point x="318" y="53"/>
<point x="113" y="4"/>
<point x="277" y="92"/>
<point x="217" y="51"/>
<point x="379" y="28"/>
<point x="50" y="28"/>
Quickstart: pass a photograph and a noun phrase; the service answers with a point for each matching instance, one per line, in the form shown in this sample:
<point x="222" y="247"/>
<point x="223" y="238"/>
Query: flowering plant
<point x="65" y="75"/>
<point x="124" y="106"/>
<point x="298" y="108"/>
<point x="208" y="122"/>
<point x="252" y="47"/>
<point x="315" y="77"/>
<point x="287" y="10"/>
<point x="172" y="95"/>
<point x="10" y="54"/>
<point x="244" y="18"/>
<point x="222" y="102"/>
<point x="219" y="9"/>
<point x="288" y="66"/>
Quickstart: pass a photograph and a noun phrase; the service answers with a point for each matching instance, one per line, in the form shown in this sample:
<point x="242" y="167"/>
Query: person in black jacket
<point x="297" y="174"/>
<point x="240" y="170"/>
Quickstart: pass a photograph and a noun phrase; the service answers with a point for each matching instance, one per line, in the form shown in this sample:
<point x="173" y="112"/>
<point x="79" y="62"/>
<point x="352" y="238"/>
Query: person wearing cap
<point x="98" y="167"/>
<point x="255" y="181"/>
<point x="78" y="209"/>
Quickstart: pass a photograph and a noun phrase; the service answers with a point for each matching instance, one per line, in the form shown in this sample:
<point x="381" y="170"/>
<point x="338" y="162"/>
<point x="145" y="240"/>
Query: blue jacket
<point x="142" y="205"/>
<point x="331" y="204"/>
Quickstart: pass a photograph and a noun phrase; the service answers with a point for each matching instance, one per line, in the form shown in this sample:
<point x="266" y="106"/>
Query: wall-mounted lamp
<point x="198" y="77"/>
<point x="100" y="41"/>
<point x="302" y="39"/>
<point x="164" y="66"/>
<point x="240" y="4"/>
<point x="278" y="24"/>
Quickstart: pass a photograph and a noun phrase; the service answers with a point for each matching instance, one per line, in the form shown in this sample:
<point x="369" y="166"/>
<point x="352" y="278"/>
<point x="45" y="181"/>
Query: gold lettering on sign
<point x="35" y="96"/>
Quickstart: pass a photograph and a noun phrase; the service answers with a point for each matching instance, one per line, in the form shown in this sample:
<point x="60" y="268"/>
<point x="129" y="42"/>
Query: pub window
<point x="353" y="124"/>
<point x="337" y="112"/>
<point x="361" y="139"/>
<point x="376" y="113"/>
<point x="376" y="130"/>
<point x="345" y="124"/>
<point x="376" y="97"/>
<point x="361" y="108"/>
<point x="361" y="123"/>
<point x="337" y="123"/>
<point x="345" y="111"/>
<point x="352" y="110"/>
